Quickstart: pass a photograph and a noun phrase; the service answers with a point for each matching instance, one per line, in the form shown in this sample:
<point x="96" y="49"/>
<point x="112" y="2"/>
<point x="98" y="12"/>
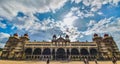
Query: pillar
<point x="70" y="54"/>
<point x="32" y="54"/>
<point x="41" y="53"/>
<point x="55" y="53"/>
<point x="51" y="57"/>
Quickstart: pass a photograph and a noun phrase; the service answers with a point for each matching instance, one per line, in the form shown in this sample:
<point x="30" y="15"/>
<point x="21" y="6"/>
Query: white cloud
<point x="9" y="8"/>
<point x="4" y="35"/>
<point x="96" y="4"/>
<point x="3" y="38"/>
<point x="76" y="1"/>
<point x="91" y="23"/>
<point x="100" y="27"/>
<point x="100" y="13"/>
<point x="69" y="19"/>
<point x="80" y="13"/>
<point x="2" y="45"/>
<point x="2" y="25"/>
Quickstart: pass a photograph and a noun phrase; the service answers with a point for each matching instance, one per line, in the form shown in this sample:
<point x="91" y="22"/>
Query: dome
<point x="26" y="34"/>
<point x="54" y="36"/>
<point x="15" y="34"/>
<point x="67" y="36"/>
<point x="95" y="34"/>
<point x="106" y="35"/>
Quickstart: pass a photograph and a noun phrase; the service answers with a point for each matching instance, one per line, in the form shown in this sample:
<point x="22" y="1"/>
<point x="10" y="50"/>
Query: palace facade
<point x="60" y="48"/>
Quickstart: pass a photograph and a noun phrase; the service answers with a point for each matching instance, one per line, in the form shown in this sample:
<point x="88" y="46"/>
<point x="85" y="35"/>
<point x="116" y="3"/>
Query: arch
<point x="93" y="51"/>
<point x="37" y="51"/>
<point x="60" y="54"/>
<point x="46" y="51"/>
<point x="28" y="51"/>
<point x="74" y="51"/>
<point x="84" y="51"/>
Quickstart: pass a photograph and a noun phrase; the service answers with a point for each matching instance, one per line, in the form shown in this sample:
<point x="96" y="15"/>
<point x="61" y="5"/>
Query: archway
<point x="46" y="51"/>
<point x="84" y="52"/>
<point x="37" y="51"/>
<point x="74" y="51"/>
<point x="60" y="54"/>
<point x="93" y="51"/>
<point x="28" y="51"/>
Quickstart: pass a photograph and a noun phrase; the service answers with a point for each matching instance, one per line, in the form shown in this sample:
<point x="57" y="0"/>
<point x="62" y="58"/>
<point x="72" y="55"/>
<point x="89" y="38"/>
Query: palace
<point x="60" y="48"/>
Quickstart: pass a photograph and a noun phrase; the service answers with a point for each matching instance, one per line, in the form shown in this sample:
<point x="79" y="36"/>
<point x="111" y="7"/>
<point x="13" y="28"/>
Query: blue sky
<point x="80" y="19"/>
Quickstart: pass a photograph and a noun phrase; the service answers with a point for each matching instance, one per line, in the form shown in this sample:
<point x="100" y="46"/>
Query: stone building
<point x="60" y="48"/>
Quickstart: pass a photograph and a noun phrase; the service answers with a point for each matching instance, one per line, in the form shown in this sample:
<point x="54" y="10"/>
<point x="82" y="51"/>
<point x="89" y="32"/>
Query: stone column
<point x="65" y="53"/>
<point x="32" y="53"/>
<point x="55" y="53"/>
<point x="70" y="54"/>
<point x="41" y="53"/>
<point x="51" y="57"/>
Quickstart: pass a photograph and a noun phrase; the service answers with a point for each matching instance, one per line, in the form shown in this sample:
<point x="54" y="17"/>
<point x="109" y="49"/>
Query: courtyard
<point x="52" y="62"/>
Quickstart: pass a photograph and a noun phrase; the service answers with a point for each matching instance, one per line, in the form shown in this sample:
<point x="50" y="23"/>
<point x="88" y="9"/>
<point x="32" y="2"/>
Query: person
<point x="48" y="61"/>
<point x="114" y="60"/>
<point x="86" y="61"/>
<point x="96" y="61"/>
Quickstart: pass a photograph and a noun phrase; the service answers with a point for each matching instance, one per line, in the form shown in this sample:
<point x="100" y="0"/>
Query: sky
<point x="41" y="19"/>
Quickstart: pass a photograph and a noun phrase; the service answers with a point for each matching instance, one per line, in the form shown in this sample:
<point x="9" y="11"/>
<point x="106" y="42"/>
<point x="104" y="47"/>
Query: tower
<point x="19" y="49"/>
<point x="111" y="47"/>
<point x="9" y="49"/>
<point x="98" y="40"/>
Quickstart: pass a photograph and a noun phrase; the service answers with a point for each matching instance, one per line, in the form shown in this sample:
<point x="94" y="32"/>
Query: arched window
<point x="46" y="51"/>
<point x="28" y="51"/>
<point x="37" y="51"/>
<point x="74" y="51"/>
<point x="84" y="52"/>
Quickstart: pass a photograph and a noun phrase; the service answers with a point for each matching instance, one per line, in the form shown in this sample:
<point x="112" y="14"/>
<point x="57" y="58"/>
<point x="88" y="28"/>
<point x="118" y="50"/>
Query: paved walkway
<point x="52" y="62"/>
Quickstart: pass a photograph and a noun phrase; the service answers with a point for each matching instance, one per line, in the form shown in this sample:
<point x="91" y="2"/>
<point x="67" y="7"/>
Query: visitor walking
<point x="114" y="60"/>
<point x="96" y="61"/>
<point x="48" y="61"/>
<point x="86" y="61"/>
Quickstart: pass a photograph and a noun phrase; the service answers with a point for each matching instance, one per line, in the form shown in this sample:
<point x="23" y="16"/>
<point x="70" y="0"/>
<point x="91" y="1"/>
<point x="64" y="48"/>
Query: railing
<point x="65" y="44"/>
<point x="70" y="57"/>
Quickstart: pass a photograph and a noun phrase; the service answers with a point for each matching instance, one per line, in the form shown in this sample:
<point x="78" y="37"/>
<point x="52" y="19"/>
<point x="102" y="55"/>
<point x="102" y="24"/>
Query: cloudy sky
<point x="42" y="18"/>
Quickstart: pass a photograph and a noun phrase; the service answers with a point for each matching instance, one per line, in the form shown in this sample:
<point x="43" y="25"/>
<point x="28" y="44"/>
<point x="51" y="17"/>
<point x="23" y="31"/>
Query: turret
<point x="106" y="35"/>
<point x="97" y="38"/>
<point x="25" y="37"/>
<point x="67" y="38"/>
<point x="15" y="35"/>
<point x="95" y="35"/>
<point x="107" y="38"/>
<point x="54" y="38"/>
